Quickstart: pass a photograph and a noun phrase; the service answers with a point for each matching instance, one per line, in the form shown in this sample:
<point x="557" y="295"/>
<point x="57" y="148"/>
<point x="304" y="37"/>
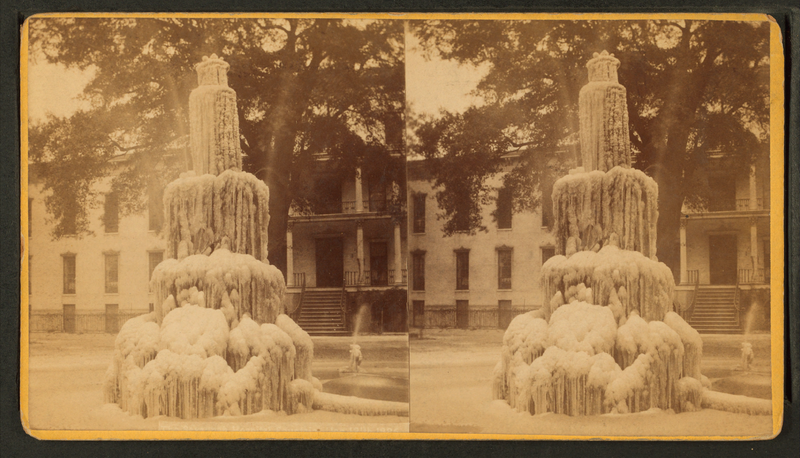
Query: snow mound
<point x="582" y="327"/>
<point x="194" y="366"/>
<point x="582" y="363"/>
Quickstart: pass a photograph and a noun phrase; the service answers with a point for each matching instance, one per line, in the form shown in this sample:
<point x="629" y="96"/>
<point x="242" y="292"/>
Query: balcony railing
<point x="404" y="278"/>
<point x="351" y="278"/>
<point x="374" y="205"/>
<point x="753" y="276"/>
<point x="299" y="279"/>
<point x="693" y="276"/>
<point x="739" y="205"/>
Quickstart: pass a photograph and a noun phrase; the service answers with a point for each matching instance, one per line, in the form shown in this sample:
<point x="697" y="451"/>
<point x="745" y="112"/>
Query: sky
<point x="437" y="84"/>
<point x="53" y="89"/>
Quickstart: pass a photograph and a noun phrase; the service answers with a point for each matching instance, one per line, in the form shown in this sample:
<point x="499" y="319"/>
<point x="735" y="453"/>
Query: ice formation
<point x="594" y="207"/>
<point x="217" y="342"/>
<point x="202" y="210"/>
<point x="603" y="111"/>
<point x="214" y="120"/>
<point x="607" y="341"/>
<point x="238" y="284"/>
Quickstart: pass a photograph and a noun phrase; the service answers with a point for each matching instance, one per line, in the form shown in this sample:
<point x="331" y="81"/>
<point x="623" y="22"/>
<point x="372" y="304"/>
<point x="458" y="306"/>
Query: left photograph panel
<point x="216" y="225"/>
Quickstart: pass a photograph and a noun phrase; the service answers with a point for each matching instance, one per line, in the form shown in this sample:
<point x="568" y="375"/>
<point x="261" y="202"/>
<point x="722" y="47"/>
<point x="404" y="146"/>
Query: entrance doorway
<point x="69" y="318"/>
<point x="378" y="264"/>
<point x="329" y="262"/>
<point x="462" y="314"/>
<point x="722" y="259"/>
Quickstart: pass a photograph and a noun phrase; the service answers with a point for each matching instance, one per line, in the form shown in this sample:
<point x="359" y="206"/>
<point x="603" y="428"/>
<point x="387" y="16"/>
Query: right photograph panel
<point x="589" y="227"/>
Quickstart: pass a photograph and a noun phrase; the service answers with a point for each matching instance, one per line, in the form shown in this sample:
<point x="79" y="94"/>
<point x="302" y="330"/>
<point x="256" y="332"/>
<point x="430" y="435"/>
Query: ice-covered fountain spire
<point x="603" y="116"/>
<point x="213" y="120"/>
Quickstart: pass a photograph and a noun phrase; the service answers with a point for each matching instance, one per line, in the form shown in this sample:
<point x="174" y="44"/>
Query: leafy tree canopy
<point x="304" y="86"/>
<point x="694" y="87"/>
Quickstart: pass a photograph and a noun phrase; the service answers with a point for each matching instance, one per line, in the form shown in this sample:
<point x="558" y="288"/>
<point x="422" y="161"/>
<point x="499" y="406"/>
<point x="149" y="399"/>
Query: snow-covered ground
<point x="66" y="388"/>
<point x="451" y="391"/>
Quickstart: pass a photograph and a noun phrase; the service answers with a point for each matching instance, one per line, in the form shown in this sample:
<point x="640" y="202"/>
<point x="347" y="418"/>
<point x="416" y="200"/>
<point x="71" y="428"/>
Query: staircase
<point x="321" y="312"/>
<point x="714" y="312"/>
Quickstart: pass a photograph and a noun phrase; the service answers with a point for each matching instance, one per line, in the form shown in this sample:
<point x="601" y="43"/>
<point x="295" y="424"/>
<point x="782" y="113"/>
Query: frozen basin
<point x="369" y="386"/>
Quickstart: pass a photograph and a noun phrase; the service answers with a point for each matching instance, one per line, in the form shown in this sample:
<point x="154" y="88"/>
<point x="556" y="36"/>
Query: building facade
<point x="479" y="280"/>
<point x="95" y="282"/>
<point x="349" y="255"/>
<point x="725" y="248"/>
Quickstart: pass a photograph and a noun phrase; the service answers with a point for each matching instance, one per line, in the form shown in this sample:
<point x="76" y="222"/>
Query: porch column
<point x="753" y="195"/>
<point x="754" y="243"/>
<point x="398" y="255"/>
<point x="684" y="267"/>
<point x="360" y="248"/>
<point x="289" y="257"/>
<point x="359" y="194"/>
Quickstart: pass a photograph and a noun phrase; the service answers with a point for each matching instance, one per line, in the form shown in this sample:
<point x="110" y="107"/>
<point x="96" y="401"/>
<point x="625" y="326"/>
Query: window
<point x="155" y="207"/>
<point x="504" y="268"/>
<point x="154" y="259"/>
<point x="462" y="269"/>
<point x="112" y="273"/>
<point x="418" y="283"/>
<point x="419" y="213"/>
<point x="111" y="213"/>
<point x="547" y="253"/>
<point x="547" y="202"/>
<point x="504" y="211"/>
<point x="418" y="314"/>
<point x="69" y="273"/>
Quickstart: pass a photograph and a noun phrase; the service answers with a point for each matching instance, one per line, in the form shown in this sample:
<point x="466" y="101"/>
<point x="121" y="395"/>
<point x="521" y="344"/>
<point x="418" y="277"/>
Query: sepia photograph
<point x="216" y="220"/>
<point x="523" y="226"/>
<point x="589" y="220"/>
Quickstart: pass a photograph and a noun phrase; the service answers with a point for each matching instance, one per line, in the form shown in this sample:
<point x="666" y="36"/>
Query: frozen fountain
<point x="218" y="341"/>
<point x="608" y="340"/>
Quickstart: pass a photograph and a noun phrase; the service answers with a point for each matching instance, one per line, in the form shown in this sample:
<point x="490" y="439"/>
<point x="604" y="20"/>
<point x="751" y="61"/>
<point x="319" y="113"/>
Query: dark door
<point x="767" y="262"/>
<point x="722" y="257"/>
<point x="69" y="318"/>
<point x="330" y="263"/>
<point x="378" y="264"/>
<point x="112" y="319"/>
<point x="505" y="314"/>
<point x="462" y="314"/>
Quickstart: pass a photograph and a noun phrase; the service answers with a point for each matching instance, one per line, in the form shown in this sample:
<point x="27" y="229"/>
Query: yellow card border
<point x="776" y="230"/>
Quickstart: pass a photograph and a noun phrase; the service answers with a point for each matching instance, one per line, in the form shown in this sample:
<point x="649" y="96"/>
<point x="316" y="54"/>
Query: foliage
<point x="304" y="87"/>
<point x="694" y="88"/>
